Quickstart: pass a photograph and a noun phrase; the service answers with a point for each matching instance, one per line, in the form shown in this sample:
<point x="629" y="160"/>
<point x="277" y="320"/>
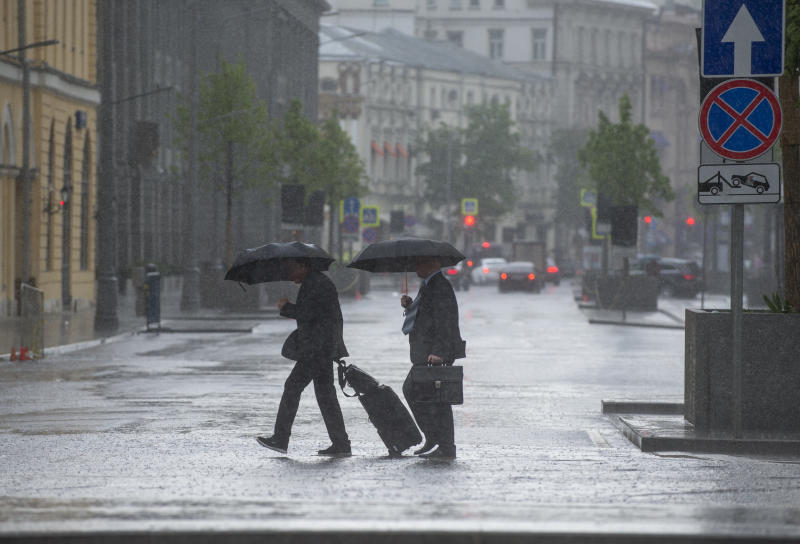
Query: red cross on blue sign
<point x="740" y="119"/>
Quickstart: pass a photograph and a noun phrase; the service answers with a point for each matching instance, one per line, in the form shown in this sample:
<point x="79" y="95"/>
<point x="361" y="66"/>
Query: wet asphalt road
<point x="156" y="433"/>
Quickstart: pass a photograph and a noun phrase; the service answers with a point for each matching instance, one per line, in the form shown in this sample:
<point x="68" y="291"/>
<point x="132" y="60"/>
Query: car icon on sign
<point x="712" y="185"/>
<point x="756" y="181"/>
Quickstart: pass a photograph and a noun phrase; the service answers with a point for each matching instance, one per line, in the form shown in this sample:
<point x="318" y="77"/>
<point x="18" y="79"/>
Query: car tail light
<point x="485" y="270"/>
<point x="503" y="276"/>
<point x="452" y="271"/>
<point x="552" y="270"/>
<point x="531" y="276"/>
<point x="688" y="277"/>
<point x="470" y="263"/>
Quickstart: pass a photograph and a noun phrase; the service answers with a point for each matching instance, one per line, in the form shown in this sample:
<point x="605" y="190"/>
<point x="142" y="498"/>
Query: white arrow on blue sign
<point x="743" y="38"/>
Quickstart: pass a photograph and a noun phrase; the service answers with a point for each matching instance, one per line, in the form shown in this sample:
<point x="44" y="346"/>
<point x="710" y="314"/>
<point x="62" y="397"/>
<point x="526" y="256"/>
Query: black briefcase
<point x="438" y="384"/>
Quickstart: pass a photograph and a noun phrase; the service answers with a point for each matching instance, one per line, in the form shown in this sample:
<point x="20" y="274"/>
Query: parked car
<point x="552" y="274"/>
<point x="459" y="276"/>
<point x="487" y="269"/>
<point x="520" y="276"/>
<point x="676" y="277"/>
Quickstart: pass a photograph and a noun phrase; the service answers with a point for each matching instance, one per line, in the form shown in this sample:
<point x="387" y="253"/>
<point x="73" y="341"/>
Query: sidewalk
<point x="64" y="329"/>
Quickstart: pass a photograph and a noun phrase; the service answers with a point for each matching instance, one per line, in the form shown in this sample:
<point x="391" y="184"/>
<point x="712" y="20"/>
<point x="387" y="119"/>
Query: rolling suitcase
<point x="387" y="413"/>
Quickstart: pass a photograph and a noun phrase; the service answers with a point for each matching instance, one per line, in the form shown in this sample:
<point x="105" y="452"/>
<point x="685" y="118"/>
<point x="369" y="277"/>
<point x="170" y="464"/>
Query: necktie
<point x="411" y="313"/>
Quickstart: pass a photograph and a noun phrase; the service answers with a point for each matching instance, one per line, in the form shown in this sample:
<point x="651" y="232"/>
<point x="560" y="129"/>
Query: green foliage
<point x="792" y="44"/>
<point x="343" y="170"/>
<point x="484" y="158"/>
<point x="622" y="162"/>
<point x="301" y="155"/>
<point x="777" y="304"/>
<point x="233" y="130"/>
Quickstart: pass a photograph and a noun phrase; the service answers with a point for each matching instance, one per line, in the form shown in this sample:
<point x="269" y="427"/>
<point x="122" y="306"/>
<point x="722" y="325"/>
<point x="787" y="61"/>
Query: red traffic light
<point x="469" y="220"/>
<point x="648" y="219"/>
<point x="690" y="221"/>
<point x="486" y="245"/>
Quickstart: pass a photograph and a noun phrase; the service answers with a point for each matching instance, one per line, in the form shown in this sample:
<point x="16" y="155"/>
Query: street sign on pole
<point x="743" y="38"/>
<point x="469" y="206"/>
<point x="349" y="206"/>
<point x="370" y="216"/>
<point x="740" y="119"/>
<point x="369" y="235"/>
<point x="738" y="183"/>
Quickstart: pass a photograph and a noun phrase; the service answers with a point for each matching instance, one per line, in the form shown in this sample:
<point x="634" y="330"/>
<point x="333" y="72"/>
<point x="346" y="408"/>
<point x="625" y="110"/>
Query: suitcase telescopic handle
<point x="342" y="380"/>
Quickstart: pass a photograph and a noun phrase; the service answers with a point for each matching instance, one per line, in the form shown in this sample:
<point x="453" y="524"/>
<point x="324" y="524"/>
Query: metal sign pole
<point x="737" y="268"/>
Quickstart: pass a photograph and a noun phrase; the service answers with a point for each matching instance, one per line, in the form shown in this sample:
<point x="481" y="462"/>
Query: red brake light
<point x="485" y="270"/>
<point x="452" y="271"/>
<point x="503" y="276"/>
<point x="531" y="276"/>
<point x="552" y="270"/>
<point x="469" y="264"/>
<point x="688" y="277"/>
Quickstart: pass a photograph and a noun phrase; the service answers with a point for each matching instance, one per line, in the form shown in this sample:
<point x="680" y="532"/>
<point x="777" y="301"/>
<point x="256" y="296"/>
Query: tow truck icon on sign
<point x="713" y="185"/>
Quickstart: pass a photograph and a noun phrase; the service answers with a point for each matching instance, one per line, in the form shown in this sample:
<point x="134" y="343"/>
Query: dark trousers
<point x="303" y="373"/>
<point x="434" y="420"/>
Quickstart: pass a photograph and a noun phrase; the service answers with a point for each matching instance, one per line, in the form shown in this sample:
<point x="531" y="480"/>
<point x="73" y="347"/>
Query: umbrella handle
<point x="405" y="283"/>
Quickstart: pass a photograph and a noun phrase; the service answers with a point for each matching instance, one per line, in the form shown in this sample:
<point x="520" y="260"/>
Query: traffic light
<point x="648" y="219"/>
<point x="315" y="209"/>
<point x="469" y="220"/>
<point x="292" y="203"/>
<point x="690" y="221"/>
<point x="397" y="221"/>
<point x="623" y="225"/>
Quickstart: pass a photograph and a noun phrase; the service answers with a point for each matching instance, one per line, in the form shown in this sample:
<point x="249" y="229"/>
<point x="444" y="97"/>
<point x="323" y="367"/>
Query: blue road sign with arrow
<point x="743" y="38"/>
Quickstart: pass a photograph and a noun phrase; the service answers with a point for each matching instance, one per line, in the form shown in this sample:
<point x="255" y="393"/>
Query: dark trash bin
<point x="152" y="288"/>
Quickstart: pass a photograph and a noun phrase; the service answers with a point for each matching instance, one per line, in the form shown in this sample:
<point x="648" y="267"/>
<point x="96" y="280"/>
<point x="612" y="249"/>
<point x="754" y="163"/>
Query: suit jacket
<point x="436" y="325"/>
<point x="319" y="321"/>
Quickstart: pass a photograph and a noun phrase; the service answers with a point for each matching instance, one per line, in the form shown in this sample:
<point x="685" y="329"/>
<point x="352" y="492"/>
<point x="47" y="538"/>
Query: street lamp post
<point x="105" y="319"/>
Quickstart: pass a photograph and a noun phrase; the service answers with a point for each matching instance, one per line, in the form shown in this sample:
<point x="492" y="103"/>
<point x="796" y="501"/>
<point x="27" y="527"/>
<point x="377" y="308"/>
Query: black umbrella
<point x="264" y="263"/>
<point x="400" y="255"/>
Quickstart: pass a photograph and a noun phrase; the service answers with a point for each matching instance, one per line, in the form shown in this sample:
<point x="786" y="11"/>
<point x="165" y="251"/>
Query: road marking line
<point x="598" y="439"/>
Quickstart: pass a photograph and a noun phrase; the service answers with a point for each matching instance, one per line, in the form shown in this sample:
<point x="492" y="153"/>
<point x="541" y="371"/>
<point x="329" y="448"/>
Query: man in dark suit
<point x="314" y="345"/>
<point x="434" y="338"/>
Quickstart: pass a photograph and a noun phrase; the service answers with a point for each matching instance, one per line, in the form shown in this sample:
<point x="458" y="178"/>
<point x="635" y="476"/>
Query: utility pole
<point x="449" y="184"/>
<point x="190" y="293"/>
<point x="26" y="145"/>
<point x="106" y="319"/>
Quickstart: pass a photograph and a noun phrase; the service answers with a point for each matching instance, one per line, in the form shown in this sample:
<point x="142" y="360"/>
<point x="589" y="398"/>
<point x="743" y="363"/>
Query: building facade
<point x="160" y="49"/>
<point x="388" y="87"/>
<point x="62" y="152"/>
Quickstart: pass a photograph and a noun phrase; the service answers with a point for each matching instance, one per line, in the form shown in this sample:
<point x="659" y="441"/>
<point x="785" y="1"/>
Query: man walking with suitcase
<point x="315" y="344"/>
<point x="434" y="338"/>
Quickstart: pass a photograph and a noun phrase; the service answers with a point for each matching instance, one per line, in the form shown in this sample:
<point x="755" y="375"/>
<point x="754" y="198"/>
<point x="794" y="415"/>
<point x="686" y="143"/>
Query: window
<point x="470" y="97"/>
<point x="456" y="37"/>
<point x="432" y="5"/>
<point x="499" y="4"/>
<point x="455" y="5"/>
<point x="430" y="34"/>
<point x="474" y="4"/>
<point x="539" y="38"/>
<point x="328" y="84"/>
<point x="496" y="43"/>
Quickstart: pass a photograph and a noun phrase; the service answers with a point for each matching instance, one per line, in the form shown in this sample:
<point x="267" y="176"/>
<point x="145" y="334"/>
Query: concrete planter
<point x="635" y="293"/>
<point x="770" y="371"/>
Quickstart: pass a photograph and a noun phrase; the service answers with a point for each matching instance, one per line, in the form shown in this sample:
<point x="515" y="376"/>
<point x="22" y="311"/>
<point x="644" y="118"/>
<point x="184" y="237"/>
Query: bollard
<point x="23" y="354"/>
<point x="152" y="285"/>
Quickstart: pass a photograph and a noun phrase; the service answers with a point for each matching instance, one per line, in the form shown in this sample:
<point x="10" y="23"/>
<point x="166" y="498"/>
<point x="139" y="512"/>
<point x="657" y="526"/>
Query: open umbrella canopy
<point x="400" y="255"/>
<point x="265" y="263"/>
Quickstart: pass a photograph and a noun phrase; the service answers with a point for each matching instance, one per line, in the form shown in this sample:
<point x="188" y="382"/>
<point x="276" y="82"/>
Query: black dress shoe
<point x="273" y="443"/>
<point x="428" y="446"/>
<point x="336" y="450"/>
<point x="442" y="452"/>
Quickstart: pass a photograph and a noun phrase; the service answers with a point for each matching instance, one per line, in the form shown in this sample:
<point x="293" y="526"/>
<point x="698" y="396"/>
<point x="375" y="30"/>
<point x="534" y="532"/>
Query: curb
<point x="633" y="324"/>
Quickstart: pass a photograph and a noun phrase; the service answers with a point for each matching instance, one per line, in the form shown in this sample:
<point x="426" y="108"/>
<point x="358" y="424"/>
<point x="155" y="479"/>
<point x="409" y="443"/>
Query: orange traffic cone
<point x="358" y="295"/>
<point x="23" y="354"/>
<point x="13" y="354"/>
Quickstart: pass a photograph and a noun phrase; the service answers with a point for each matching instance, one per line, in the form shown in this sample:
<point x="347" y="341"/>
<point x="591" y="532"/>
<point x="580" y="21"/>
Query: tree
<point x="622" y="163"/>
<point x="483" y="159"/>
<point x="790" y="150"/>
<point x="343" y="169"/>
<point x="236" y="139"/>
<point x="300" y="151"/>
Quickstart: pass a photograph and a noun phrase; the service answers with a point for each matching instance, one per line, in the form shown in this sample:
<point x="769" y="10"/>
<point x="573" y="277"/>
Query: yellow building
<point x="63" y="151"/>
